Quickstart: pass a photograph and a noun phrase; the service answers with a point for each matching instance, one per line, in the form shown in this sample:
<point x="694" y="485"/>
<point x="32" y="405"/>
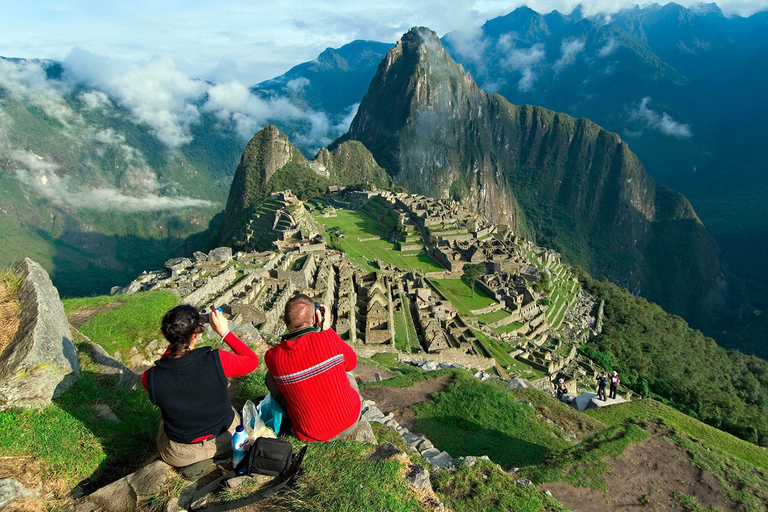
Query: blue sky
<point x="247" y="40"/>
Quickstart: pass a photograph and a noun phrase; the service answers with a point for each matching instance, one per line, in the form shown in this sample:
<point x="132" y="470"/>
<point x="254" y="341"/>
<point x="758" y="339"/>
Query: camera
<point x="205" y="318"/>
<point x="319" y="307"/>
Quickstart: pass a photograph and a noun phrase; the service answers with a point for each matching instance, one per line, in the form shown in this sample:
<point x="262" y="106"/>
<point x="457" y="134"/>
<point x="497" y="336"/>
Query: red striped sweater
<point x="310" y="371"/>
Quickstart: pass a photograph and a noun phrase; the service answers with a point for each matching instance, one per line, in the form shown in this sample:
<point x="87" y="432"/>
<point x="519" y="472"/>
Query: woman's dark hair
<point x="179" y="325"/>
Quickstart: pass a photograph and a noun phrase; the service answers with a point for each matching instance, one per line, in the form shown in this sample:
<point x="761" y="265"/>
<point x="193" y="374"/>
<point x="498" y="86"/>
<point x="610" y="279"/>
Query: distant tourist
<point x="310" y="375"/>
<point x="561" y="389"/>
<point x="615" y="380"/>
<point x="602" y="379"/>
<point x="189" y="385"/>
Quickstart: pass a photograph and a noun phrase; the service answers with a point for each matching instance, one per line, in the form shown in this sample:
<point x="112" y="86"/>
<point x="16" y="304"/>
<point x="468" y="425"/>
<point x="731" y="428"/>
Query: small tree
<point x="471" y="272"/>
<point x="334" y="234"/>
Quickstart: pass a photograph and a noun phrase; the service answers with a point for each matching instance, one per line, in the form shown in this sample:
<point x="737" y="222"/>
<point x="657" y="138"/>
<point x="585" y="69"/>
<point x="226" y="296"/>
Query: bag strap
<point x="289" y="477"/>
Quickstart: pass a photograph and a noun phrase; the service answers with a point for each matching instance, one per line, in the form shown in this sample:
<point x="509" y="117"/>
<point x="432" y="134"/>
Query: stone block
<point x="425" y="444"/>
<point x="418" y="477"/>
<point x="220" y="254"/>
<point x="362" y="434"/>
<point x="11" y="490"/>
<point x="411" y="438"/>
<point x="150" y="479"/>
<point x="444" y="461"/>
<point x="200" y="256"/>
<point x="430" y="452"/>
<point x="118" y="496"/>
<point x="105" y="412"/>
<point x="40" y="362"/>
<point x="384" y="451"/>
<point x="176" y="265"/>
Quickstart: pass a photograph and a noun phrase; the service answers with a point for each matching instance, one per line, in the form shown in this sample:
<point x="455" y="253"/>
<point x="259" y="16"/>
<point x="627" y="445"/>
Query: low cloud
<point x="608" y="49"/>
<point x="95" y="100"/>
<point x="570" y="50"/>
<point x="663" y="122"/>
<point x="523" y="60"/>
<point x="156" y="93"/>
<point x="297" y="84"/>
<point x="234" y="103"/>
<point x="26" y="81"/>
<point x="470" y="46"/>
<point x="48" y="180"/>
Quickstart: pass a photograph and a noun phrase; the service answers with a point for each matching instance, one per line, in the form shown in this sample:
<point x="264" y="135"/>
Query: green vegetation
<point x="490" y="318"/>
<point x="657" y="354"/>
<point x="460" y="295"/>
<point x="135" y="320"/>
<point x="584" y="465"/>
<point x="471" y="273"/>
<point x="485" y="488"/>
<point x="72" y="441"/>
<point x="479" y="418"/>
<point x="413" y="337"/>
<point x="355" y="225"/>
<point x="494" y="348"/>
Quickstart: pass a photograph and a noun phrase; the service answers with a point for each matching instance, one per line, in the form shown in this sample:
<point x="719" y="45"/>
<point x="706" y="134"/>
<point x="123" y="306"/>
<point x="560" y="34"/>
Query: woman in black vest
<point x="189" y="385"/>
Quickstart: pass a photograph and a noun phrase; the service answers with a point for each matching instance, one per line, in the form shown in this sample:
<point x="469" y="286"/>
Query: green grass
<point x="358" y="224"/>
<point x="485" y="488"/>
<point x="489" y="318"/>
<point x="584" y="464"/>
<point x="136" y="320"/>
<point x="497" y="351"/>
<point x="503" y="329"/>
<point x="460" y="295"/>
<point x="717" y="439"/>
<point x="402" y="342"/>
<point x="72" y="441"/>
<point x="479" y="418"/>
<point x="412" y="335"/>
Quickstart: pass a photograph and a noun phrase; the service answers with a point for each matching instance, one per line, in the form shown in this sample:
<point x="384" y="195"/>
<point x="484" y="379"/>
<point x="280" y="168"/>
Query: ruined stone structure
<point x="364" y="305"/>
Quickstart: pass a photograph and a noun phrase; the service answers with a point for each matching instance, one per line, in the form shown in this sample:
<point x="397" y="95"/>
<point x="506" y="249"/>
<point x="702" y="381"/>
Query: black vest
<point x="191" y="392"/>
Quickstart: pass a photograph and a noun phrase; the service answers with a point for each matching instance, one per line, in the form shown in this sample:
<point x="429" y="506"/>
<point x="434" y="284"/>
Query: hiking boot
<point x="195" y="471"/>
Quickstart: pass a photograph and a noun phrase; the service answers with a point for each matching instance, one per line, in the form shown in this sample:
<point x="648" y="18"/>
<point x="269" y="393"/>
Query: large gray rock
<point x="176" y="265"/>
<point x="220" y="254"/>
<point x="418" y="477"/>
<point x="11" y="490"/>
<point x="126" y="494"/>
<point x="40" y="362"/>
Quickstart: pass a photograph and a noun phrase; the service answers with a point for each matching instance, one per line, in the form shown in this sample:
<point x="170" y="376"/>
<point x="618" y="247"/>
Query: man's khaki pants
<point x="182" y="454"/>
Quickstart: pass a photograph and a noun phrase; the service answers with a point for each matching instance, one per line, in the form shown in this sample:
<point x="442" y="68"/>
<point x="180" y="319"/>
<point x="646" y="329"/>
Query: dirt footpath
<point x="647" y="477"/>
<point x="400" y="400"/>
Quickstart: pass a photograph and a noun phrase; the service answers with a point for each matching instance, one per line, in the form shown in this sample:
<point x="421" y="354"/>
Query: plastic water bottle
<point x="239" y="445"/>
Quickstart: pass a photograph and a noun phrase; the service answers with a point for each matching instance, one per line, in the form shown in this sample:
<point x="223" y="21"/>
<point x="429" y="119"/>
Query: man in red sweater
<point x="310" y="375"/>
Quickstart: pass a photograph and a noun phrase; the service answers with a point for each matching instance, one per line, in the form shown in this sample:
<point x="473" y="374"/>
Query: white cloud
<point x="523" y="60"/>
<point x="109" y="137"/>
<point x="570" y="50"/>
<point x="95" y="100"/>
<point x="26" y="81"/>
<point x="233" y="102"/>
<point x="608" y="49"/>
<point x="156" y="93"/>
<point x="297" y="84"/>
<point x="470" y="46"/>
<point x="47" y="179"/>
<point x="663" y="122"/>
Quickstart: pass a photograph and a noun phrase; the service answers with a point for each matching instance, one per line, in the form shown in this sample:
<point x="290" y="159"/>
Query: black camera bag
<point x="266" y="456"/>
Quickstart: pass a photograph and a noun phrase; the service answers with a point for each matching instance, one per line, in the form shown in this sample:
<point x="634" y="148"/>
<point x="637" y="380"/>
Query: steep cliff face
<point x="266" y="153"/>
<point x="567" y="182"/>
<point x="271" y="163"/>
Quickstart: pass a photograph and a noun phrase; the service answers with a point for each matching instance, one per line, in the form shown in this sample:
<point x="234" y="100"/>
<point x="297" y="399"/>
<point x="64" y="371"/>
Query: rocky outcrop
<point x="40" y="362"/>
<point x="564" y="182"/>
<point x="270" y="153"/>
<point x="126" y="494"/>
